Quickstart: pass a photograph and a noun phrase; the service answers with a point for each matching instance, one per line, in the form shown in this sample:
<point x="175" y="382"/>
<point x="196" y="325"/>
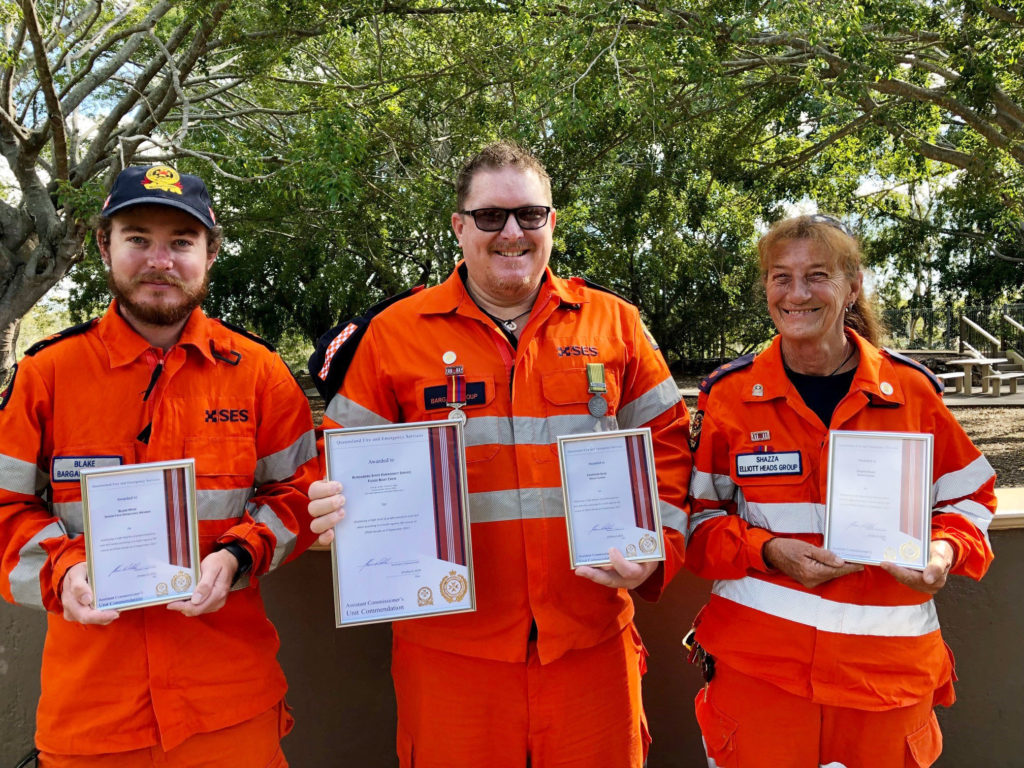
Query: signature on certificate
<point x="129" y="568"/>
<point x="605" y="527"/>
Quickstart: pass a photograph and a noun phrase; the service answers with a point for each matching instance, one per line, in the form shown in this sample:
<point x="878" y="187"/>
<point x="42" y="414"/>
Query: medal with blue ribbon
<point x="456" y="397"/>
<point x="596" y="386"/>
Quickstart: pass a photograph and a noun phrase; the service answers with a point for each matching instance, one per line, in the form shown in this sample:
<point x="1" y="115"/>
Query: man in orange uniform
<point x="547" y="670"/>
<point x="193" y="682"/>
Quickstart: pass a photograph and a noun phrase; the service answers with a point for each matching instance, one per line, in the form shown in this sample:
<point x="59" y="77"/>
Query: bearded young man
<point x="546" y="672"/>
<point x="192" y="682"/>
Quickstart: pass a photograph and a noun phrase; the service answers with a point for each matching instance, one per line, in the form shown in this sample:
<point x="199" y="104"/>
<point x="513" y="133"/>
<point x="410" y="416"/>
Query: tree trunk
<point x="8" y="346"/>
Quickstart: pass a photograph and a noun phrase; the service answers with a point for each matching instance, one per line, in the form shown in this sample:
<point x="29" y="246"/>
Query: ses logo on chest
<point x="577" y="351"/>
<point x="221" y="415"/>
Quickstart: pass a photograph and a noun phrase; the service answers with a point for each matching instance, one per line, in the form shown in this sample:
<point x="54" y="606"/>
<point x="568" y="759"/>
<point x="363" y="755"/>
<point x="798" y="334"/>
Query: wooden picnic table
<point x="983" y="364"/>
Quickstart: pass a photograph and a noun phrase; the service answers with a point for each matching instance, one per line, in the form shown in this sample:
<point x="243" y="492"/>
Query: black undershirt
<point x="822" y="393"/>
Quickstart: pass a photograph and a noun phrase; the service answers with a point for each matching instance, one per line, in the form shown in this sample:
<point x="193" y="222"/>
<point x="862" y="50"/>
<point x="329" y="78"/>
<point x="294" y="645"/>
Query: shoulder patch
<point x="897" y="357"/>
<point x="247" y="334"/>
<point x="724" y="370"/>
<point x="7" y="386"/>
<point x="335" y="349"/>
<point x="67" y="333"/>
<point x="599" y="287"/>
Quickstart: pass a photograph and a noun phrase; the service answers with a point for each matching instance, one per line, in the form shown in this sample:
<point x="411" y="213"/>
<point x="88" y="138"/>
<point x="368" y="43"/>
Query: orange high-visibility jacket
<point x="153" y="676"/>
<point x="863" y="640"/>
<point x="519" y="401"/>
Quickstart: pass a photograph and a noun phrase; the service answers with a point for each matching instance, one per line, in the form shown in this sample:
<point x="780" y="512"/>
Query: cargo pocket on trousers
<point x="718" y="730"/>
<point x="925" y="744"/>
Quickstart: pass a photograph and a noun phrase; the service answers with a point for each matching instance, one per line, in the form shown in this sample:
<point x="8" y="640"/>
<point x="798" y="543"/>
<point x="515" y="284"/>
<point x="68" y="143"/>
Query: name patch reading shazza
<point x="756" y="464"/>
<point x="68" y="469"/>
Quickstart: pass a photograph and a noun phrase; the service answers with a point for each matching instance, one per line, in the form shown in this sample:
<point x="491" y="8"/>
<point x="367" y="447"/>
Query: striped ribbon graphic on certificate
<point x="177" y="518"/>
<point x="444" y="460"/>
<point x="639" y="478"/>
<point x="910" y="488"/>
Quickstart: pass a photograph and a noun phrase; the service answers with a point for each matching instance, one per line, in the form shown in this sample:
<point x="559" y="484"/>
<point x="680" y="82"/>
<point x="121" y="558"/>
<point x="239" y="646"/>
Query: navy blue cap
<point x="160" y="185"/>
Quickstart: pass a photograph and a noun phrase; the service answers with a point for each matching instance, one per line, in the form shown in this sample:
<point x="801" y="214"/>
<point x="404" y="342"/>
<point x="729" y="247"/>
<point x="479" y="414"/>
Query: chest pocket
<point x="65" y="476"/>
<point x="483" y="431"/>
<point x="566" y="393"/>
<point x="774" y="495"/>
<point x="566" y="399"/>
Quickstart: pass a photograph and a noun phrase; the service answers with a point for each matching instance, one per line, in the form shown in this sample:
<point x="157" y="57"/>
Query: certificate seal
<point x="910" y="551"/>
<point x="161" y="588"/>
<point x="890" y="553"/>
<point x="454" y="587"/>
<point x="425" y="596"/>
<point x="648" y="544"/>
<point x="457" y="415"/>
<point x="597" y="406"/>
<point x="631" y="550"/>
<point x="181" y="581"/>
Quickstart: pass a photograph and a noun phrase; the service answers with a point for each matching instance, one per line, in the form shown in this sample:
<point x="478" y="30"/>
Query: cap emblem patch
<point x="162" y="178"/>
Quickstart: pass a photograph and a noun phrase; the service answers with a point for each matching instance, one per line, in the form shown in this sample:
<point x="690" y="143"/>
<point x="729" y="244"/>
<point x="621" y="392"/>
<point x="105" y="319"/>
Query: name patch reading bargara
<point x="756" y="464"/>
<point x="68" y="469"/>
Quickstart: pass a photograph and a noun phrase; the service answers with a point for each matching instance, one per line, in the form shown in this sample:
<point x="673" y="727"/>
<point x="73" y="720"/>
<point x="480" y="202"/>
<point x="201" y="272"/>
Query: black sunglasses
<point x="831" y="221"/>
<point x="493" y="219"/>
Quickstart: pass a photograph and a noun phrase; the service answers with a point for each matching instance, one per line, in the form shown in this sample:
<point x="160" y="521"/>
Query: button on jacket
<point x="519" y="400"/>
<point x="862" y="640"/>
<point x="153" y="676"/>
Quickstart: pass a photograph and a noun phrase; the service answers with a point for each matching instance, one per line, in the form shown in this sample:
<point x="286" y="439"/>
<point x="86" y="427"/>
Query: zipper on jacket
<point x="153" y="379"/>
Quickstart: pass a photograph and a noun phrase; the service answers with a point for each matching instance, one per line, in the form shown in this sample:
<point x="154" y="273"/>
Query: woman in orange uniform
<point x="816" y="661"/>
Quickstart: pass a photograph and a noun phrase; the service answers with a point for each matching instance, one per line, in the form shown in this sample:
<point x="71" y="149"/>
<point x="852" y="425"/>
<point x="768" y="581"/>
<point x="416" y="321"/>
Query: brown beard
<point x="167" y="314"/>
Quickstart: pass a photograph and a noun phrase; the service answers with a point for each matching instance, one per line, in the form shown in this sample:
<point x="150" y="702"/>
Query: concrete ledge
<point x="1010" y="508"/>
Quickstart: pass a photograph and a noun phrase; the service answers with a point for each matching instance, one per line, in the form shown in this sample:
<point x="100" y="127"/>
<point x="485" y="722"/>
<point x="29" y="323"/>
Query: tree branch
<point x="56" y="117"/>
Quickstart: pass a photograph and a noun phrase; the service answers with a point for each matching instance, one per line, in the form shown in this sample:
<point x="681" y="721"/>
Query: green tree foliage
<point x="673" y="134"/>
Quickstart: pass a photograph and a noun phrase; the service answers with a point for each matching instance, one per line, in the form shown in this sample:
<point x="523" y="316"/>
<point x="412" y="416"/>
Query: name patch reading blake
<point x="756" y="464"/>
<point x="68" y="469"/>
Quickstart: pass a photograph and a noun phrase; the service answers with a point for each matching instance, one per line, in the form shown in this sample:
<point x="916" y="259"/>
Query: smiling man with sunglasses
<point x="547" y="671"/>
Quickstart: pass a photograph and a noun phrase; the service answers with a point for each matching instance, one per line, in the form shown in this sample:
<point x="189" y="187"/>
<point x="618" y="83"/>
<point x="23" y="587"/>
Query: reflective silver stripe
<point x="978" y="514"/>
<point x="704" y="485"/>
<point x="279" y="466"/>
<point x="19" y="476"/>
<point x="212" y="505"/>
<point x="222" y="505"/>
<point x="829" y="615"/>
<point x="672" y="516"/>
<point x="285" y="538"/>
<point x="489" y="430"/>
<point x="521" y="504"/>
<point x="349" y="413"/>
<point x="696" y="518"/>
<point x="650" y="405"/>
<point x="529" y="430"/>
<point x="25" y="587"/>
<point x="70" y="514"/>
<point x="796" y="517"/>
<point x="963" y="482"/>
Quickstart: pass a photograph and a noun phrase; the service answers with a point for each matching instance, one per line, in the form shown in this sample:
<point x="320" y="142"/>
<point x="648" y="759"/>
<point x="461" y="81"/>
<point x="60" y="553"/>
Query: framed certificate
<point x="403" y="549"/>
<point x="611" y="496"/>
<point x="879" y="504"/>
<point x="141" y="537"/>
